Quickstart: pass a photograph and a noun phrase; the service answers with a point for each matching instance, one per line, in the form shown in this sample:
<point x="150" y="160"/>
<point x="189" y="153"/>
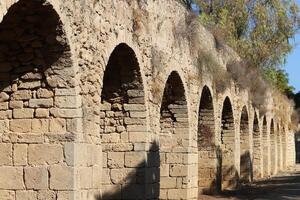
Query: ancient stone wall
<point x="104" y="100"/>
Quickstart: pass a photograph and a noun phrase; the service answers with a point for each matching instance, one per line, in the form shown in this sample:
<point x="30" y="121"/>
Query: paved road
<point x="285" y="186"/>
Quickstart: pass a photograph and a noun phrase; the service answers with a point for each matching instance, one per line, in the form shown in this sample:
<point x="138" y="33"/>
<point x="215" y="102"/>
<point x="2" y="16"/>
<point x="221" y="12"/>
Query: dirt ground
<point x="285" y="186"/>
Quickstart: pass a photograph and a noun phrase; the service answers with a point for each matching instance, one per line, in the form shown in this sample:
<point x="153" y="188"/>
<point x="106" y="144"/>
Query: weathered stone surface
<point x="41" y="154"/>
<point x="22" y="95"/>
<point x="11" y="178"/>
<point x="40" y="103"/>
<point x="20" y="125"/>
<point x="26" y="195"/>
<point x="5" y="154"/>
<point x="61" y="178"/>
<point x="7" y="195"/>
<point x="42" y="113"/>
<point x="24" y="113"/>
<point x="57" y="125"/>
<point x="36" y="178"/>
<point x="20" y="154"/>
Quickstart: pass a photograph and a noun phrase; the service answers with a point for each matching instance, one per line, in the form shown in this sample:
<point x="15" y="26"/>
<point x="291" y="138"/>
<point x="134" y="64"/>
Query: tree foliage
<point x="260" y="31"/>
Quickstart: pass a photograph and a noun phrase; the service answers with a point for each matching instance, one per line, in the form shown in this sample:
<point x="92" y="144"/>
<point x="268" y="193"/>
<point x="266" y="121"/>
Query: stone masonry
<point x="103" y="100"/>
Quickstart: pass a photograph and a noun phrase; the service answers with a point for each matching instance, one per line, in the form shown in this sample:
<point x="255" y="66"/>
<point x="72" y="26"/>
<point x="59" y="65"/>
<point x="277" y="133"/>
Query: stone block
<point x="115" y="160"/>
<point x="11" y="178"/>
<point x="46" y="195"/>
<point x="178" y="170"/>
<point x="66" y="113"/>
<point x="22" y="95"/>
<point x="40" y="126"/>
<point x="41" y="103"/>
<point x="42" y="113"/>
<point x="134" y="107"/>
<point x="121" y="176"/>
<point x="4" y="106"/>
<point x="26" y="195"/>
<point x="4" y="126"/>
<point x="5" y="154"/>
<point x="66" y="91"/>
<point x="3" y="96"/>
<point x="67" y="101"/>
<point x="30" y="85"/>
<point x="61" y="178"/>
<point x="16" y="104"/>
<point x="20" y="154"/>
<point x="177" y="194"/>
<point x="138" y="137"/>
<point x="110" y="138"/>
<point x="135" y="159"/>
<point x="36" y="178"/>
<point x="44" y="93"/>
<point x="168" y="182"/>
<point x="85" y="177"/>
<point x="174" y="158"/>
<point x="24" y="113"/>
<point x="41" y="154"/>
<point x="20" y="125"/>
<point x="136" y="128"/>
<point x="7" y="195"/>
<point x="5" y="114"/>
<point x="57" y="125"/>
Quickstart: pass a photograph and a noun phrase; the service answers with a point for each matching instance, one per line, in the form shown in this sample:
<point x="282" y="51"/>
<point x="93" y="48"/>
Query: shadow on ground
<point x="285" y="187"/>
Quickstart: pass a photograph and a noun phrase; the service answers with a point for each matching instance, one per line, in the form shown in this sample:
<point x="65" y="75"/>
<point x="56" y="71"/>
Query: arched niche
<point x="265" y="141"/>
<point x="206" y="144"/>
<point x="229" y="174"/>
<point x="245" y="157"/>
<point x="124" y="131"/>
<point x="273" y="149"/>
<point x="257" y="149"/>
<point x="174" y="139"/>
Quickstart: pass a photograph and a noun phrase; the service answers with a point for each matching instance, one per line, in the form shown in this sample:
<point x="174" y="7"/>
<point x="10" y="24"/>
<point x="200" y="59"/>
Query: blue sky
<point x="293" y="63"/>
<point x="292" y="66"/>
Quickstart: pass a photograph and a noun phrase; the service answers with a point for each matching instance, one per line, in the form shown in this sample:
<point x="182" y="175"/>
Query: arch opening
<point x="273" y="148"/>
<point x="206" y="144"/>
<point x="229" y="173"/>
<point x="279" y="147"/>
<point x="174" y="139"/>
<point x="123" y="130"/>
<point x="245" y="157"/>
<point x="257" y="149"/>
<point x="35" y="66"/>
<point x="265" y="140"/>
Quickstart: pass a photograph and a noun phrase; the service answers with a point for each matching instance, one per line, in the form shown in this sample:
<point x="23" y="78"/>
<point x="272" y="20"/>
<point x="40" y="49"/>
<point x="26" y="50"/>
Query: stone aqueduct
<point x="101" y="100"/>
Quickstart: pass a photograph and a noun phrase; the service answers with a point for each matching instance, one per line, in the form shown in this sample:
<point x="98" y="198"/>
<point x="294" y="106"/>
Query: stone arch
<point x="279" y="146"/>
<point x="257" y="148"/>
<point x="273" y="149"/>
<point x="245" y="157"/>
<point x="284" y="147"/>
<point x="36" y="73"/>
<point x="206" y="143"/>
<point x="229" y="173"/>
<point x="123" y="128"/>
<point x="174" y="139"/>
<point x="265" y="146"/>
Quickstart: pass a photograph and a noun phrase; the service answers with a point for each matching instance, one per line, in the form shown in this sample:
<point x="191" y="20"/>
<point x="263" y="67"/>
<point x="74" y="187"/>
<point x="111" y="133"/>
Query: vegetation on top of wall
<point x="258" y="30"/>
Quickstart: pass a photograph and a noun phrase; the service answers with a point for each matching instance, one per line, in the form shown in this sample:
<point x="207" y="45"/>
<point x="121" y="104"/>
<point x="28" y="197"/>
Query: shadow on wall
<point x="144" y="182"/>
<point x="227" y="174"/>
<point x="246" y="168"/>
<point x="33" y="47"/>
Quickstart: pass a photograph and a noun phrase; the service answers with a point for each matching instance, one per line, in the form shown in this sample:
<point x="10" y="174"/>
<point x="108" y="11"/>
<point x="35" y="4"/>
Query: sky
<point x="292" y="66"/>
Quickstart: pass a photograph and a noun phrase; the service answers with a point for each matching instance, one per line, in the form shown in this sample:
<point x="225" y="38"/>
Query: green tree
<point x="259" y="31"/>
<point x="279" y="79"/>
